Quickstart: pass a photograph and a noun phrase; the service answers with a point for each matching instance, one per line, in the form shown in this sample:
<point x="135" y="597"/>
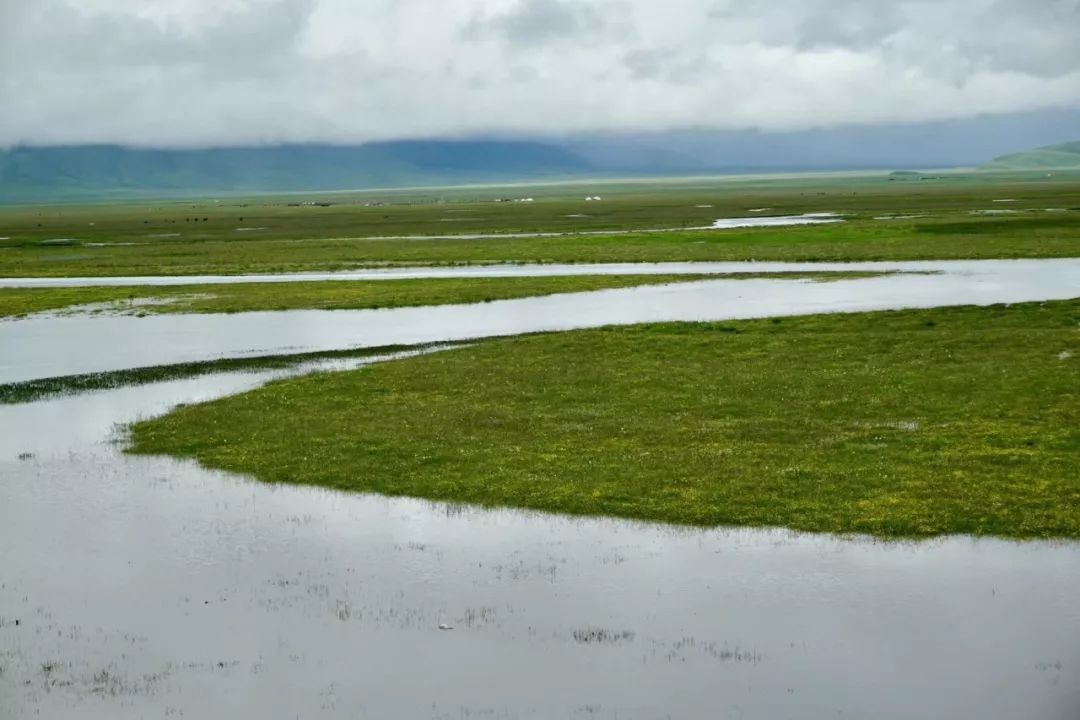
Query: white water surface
<point x="135" y="587"/>
<point x="48" y="346"/>
<point x="143" y="587"/>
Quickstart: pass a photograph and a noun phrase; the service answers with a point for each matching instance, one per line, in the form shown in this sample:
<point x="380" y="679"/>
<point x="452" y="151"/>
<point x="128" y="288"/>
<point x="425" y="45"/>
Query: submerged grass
<point x="895" y="424"/>
<point x="336" y="294"/>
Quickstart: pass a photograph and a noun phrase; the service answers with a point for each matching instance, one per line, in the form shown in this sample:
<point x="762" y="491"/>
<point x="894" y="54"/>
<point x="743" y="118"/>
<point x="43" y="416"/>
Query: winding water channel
<point x="47" y="346"/>
<point x="138" y="587"/>
<point x="1011" y="269"/>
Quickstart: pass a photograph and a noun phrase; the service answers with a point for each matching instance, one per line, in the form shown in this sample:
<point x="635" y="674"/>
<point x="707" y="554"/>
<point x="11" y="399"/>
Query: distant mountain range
<point x="109" y="170"/>
<point x="1065" y="156"/>
<point x="34" y="174"/>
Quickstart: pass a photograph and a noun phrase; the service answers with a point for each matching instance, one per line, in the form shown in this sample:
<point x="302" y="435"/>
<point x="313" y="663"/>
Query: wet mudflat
<point x="38" y="347"/>
<point x="144" y="587"/>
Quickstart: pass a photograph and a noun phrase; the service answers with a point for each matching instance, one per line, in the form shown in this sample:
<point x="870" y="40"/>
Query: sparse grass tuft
<point x="32" y="390"/>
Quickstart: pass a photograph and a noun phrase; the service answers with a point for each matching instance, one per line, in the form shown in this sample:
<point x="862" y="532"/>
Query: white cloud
<point x="199" y="72"/>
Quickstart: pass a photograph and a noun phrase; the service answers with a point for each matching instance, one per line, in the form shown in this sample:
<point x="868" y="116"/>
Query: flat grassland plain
<point x="943" y="217"/>
<point x="906" y="424"/>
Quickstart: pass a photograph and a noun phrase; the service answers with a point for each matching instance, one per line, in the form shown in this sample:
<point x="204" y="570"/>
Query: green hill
<point x="1051" y="157"/>
<point x="88" y="171"/>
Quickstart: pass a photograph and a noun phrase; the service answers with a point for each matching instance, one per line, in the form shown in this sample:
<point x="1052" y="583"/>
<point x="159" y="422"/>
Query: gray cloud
<point x="203" y="72"/>
<point x="815" y="24"/>
<point x="537" y="21"/>
<point x="671" y="65"/>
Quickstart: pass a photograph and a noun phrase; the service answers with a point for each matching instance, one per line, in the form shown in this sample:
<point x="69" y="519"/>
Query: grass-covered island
<point x="895" y="424"/>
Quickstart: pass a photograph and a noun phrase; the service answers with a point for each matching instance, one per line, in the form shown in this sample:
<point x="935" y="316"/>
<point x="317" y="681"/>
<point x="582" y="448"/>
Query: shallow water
<point x="145" y="587"/>
<point x="39" y="347"/>
<point x="531" y="270"/>
<point x="776" y="221"/>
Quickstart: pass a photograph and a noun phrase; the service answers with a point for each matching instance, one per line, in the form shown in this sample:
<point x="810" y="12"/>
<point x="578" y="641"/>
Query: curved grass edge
<point x="993" y="464"/>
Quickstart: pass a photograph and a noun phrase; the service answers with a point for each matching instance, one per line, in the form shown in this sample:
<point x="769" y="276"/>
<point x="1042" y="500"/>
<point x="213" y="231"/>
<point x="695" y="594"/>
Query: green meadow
<point x="943" y="216"/>
<point x="893" y="424"/>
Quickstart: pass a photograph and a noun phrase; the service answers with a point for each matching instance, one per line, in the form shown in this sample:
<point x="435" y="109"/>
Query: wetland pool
<point x="146" y="587"/>
<point x="138" y="587"/>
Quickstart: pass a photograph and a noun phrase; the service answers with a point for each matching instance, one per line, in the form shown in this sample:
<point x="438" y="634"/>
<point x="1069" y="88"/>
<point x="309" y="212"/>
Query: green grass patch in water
<point x="895" y="424"/>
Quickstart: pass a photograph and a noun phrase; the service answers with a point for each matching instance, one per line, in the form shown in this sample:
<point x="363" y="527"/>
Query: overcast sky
<point x="214" y="72"/>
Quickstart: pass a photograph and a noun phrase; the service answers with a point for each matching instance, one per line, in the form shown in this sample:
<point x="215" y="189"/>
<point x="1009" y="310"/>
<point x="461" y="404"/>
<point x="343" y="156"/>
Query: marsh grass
<point x="894" y="424"/>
